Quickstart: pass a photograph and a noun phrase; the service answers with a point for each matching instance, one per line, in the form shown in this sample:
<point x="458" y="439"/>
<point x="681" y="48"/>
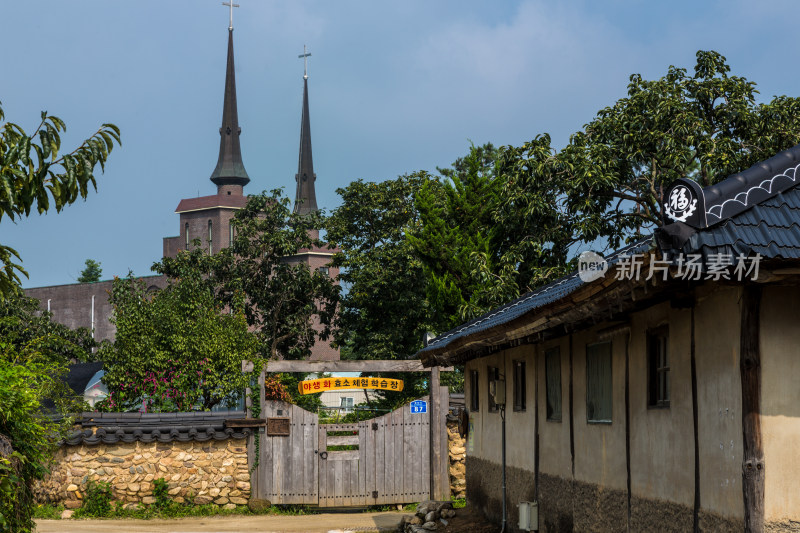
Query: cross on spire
<point x="305" y="55"/>
<point x="232" y="5"/>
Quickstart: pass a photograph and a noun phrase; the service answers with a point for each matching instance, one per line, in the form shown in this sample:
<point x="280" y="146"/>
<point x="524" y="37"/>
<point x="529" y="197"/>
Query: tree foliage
<point x="35" y="176"/>
<point x="26" y="438"/>
<point x="456" y="228"/>
<point x="175" y="348"/>
<point x="91" y="273"/>
<point x="34" y="351"/>
<point x="703" y="126"/>
<point x="384" y="310"/>
<point x="286" y="304"/>
<point x="28" y="378"/>
<point x="24" y="326"/>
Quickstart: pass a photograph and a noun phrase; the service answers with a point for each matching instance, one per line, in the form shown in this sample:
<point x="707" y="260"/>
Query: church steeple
<point x="305" y="198"/>
<point x="230" y="169"/>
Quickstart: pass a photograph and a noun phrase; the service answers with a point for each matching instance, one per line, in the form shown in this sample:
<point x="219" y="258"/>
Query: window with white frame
<point x="346" y="403"/>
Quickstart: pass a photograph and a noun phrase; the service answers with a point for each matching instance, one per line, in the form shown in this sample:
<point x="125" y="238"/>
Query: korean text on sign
<point x="319" y="385"/>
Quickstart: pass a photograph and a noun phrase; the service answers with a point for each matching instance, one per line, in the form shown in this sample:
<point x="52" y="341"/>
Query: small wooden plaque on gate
<point x="277" y="426"/>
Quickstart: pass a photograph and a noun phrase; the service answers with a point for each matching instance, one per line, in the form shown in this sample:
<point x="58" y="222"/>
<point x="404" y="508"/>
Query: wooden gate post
<point x="753" y="449"/>
<point x="440" y="486"/>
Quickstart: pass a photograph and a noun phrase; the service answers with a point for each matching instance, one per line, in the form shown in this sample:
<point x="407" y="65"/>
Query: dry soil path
<point x="318" y="523"/>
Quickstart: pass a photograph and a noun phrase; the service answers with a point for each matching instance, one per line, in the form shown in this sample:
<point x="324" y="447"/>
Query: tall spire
<point x="305" y="200"/>
<point x="230" y="169"/>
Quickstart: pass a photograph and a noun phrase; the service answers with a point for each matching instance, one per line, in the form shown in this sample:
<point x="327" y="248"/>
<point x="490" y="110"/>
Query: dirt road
<point x="318" y="523"/>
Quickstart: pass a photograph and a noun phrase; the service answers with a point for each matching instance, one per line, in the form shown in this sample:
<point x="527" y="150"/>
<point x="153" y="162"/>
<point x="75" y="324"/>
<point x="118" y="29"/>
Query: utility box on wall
<point x="497" y="390"/>
<point x="529" y="516"/>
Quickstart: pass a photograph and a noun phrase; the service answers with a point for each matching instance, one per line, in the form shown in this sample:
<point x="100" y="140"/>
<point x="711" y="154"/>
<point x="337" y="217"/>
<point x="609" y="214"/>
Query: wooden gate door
<point x="287" y="468"/>
<point x="342" y="479"/>
<point x="380" y="461"/>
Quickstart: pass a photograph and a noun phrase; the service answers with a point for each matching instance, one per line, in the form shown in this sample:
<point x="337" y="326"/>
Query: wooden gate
<point x="287" y="469"/>
<point x="396" y="458"/>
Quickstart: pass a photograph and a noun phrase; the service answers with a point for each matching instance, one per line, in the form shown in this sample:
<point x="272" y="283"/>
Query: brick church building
<point x="207" y="218"/>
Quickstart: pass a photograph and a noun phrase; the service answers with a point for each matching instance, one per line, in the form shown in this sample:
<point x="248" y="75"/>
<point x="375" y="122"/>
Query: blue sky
<point x="394" y="88"/>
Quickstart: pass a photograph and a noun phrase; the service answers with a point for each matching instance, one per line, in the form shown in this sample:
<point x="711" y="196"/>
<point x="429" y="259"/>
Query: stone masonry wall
<point x="458" y="471"/>
<point x="214" y="471"/>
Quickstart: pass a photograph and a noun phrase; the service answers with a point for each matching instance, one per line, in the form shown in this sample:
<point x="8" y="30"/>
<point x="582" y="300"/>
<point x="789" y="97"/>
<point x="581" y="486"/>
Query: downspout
<point x="92" y="315"/>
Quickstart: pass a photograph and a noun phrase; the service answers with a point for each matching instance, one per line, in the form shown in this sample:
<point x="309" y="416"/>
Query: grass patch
<point x="48" y="511"/>
<point x="169" y="510"/>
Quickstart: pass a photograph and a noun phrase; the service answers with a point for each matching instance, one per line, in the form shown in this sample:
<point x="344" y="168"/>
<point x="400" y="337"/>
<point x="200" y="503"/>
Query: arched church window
<point x="230" y="234"/>
<point x="210" y="248"/>
<point x="186" y="234"/>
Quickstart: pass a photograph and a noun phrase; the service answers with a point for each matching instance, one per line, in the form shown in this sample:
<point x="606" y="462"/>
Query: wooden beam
<point x="750" y="369"/>
<point x="245" y="422"/>
<point x="436" y="423"/>
<point x="571" y="404"/>
<point x="695" y="426"/>
<point x="351" y="366"/>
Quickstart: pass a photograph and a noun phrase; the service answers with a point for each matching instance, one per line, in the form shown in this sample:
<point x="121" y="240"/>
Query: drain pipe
<point x="503" y="418"/>
<point x="93" y="309"/>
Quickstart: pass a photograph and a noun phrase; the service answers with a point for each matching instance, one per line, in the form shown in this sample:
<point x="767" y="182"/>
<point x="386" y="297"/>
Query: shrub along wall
<point x="199" y="458"/>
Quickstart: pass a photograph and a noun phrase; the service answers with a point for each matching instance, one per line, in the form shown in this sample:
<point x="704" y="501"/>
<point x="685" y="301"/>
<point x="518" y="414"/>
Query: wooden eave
<point x="606" y="299"/>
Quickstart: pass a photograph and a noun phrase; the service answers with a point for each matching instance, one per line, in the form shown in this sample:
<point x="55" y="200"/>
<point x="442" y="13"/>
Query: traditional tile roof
<point x="756" y="211"/>
<point x="770" y="228"/>
<point x="108" y="428"/>
<point x="738" y="192"/>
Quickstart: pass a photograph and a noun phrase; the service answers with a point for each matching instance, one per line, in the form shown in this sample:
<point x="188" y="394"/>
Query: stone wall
<point x="457" y="453"/>
<point x="214" y="471"/>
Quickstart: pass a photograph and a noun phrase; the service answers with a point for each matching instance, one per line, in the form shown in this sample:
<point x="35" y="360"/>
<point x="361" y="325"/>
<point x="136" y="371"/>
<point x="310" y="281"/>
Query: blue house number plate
<point x="419" y="406"/>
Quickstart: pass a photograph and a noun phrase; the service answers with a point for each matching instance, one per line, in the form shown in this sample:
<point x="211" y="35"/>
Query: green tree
<point x="176" y="348"/>
<point x="27" y="439"/>
<point x="33" y="175"/>
<point x="286" y="304"/>
<point x="490" y="230"/>
<point x="384" y="310"/>
<point x="535" y="233"/>
<point x="456" y="229"/>
<point x="704" y="126"/>
<point x="91" y="273"/>
<point x="32" y="355"/>
<point x="24" y="326"/>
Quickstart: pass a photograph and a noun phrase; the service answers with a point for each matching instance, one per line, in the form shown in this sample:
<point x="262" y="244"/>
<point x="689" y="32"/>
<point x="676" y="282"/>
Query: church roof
<point x="210" y="202"/>
<point x="230" y="169"/>
<point x="306" y="196"/>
